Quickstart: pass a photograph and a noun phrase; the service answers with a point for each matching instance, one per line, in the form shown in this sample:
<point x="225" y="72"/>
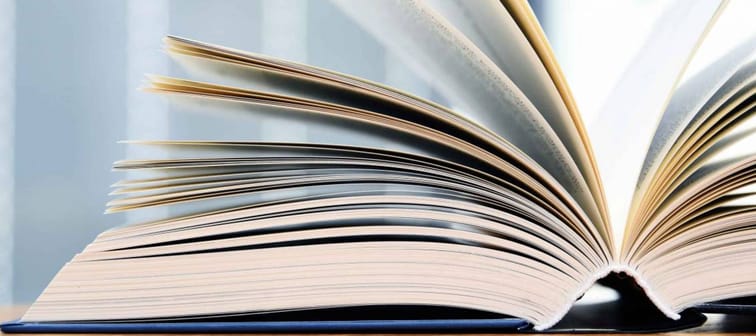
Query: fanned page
<point x="689" y="233"/>
<point x="698" y="212"/>
<point x="733" y="40"/>
<point x="530" y="27"/>
<point x="484" y="91"/>
<point x="525" y="57"/>
<point x="626" y="124"/>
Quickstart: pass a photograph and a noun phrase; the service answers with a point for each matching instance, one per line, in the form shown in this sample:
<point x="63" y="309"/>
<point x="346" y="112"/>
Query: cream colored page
<point x="738" y="149"/>
<point x="488" y="25"/>
<point x="742" y="148"/>
<point x="480" y="90"/>
<point x="697" y="89"/>
<point x="624" y="127"/>
<point x="492" y="29"/>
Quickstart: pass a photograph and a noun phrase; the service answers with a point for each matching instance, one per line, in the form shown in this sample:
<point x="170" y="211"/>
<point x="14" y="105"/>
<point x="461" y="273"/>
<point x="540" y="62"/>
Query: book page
<point x="328" y="87"/>
<point x="625" y="126"/>
<point x="736" y="141"/>
<point x="528" y="24"/>
<point x="733" y="36"/>
<point x="480" y="90"/>
<point x="702" y="124"/>
<point x="712" y="140"/>
<point x="688" y="101"/>
<point x="492" y="29"/>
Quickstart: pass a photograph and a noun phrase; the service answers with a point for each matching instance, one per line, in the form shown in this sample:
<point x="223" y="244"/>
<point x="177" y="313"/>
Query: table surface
<point x="716" y="324"/>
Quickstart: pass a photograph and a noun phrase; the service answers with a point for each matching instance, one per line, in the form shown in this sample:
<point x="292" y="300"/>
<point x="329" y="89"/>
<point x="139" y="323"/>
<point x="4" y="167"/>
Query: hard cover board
<point x="345" y="319"/>
<point x="505" y="324"/>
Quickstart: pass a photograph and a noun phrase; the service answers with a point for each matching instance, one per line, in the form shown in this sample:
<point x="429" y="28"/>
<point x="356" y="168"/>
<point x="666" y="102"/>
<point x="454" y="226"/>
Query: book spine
<point x="614" y="268"/>
<point x="587" y="284"/>
<point x="640" y="280"/>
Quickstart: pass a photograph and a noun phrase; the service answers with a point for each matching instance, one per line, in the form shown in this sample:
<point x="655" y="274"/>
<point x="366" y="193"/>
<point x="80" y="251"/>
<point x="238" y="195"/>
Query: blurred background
<point x="69" y="73"/>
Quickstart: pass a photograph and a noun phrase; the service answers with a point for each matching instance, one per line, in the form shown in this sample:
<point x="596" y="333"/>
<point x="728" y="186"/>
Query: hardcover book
<point x="498" y="213"/>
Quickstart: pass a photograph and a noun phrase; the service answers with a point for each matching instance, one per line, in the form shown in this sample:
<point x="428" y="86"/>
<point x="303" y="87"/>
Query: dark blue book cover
<point x="502" y="324"/>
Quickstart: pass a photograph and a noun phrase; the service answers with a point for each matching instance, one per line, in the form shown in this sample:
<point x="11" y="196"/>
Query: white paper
<point x="623" y="130"/>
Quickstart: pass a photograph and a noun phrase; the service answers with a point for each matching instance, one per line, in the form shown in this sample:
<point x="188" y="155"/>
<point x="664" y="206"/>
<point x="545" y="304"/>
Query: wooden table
<point x="716" y="325"/>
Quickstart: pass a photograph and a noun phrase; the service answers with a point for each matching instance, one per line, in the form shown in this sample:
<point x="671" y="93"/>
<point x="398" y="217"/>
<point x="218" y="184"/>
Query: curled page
<point x="736" y="38"/>
<point x="688" y="101"/>
<point x="465" y="75"/>
<point x="623" y="130"/>
<point x="495" y="32"/>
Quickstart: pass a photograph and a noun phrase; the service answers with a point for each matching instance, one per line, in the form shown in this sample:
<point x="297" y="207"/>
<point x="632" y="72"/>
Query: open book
<point x="500" y="205"/>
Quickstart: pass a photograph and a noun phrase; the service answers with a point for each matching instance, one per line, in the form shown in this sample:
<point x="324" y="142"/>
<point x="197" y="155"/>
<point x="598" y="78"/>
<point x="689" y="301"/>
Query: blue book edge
<point x="501" y="324"/>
